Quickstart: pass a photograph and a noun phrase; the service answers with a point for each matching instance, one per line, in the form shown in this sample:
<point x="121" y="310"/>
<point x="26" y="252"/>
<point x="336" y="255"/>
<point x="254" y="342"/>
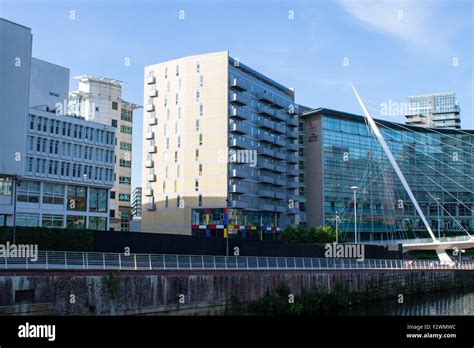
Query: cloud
<point x="415" y="22"/>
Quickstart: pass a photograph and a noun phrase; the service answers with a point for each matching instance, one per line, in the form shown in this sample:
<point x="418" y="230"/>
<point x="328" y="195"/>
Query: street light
<point x="16" y="183"/>
<point x="338" y="218"/>
<point x="354" y="188"/>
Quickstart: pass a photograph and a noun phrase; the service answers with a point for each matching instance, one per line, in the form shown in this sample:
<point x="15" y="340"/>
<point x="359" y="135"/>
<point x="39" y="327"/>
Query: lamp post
<point x="338" y="218"/>
<point x="439" y="222"/>
<point x="16" y="183"/>
<point x="354" y="188"/>
<point x="226" y="225"/>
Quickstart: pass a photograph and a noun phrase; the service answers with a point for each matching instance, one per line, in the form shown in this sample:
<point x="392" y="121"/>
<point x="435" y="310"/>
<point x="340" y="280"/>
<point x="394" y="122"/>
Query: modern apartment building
<point x="220" y="149"/>
<point x="437" y="110"/>
<point x="99" y="99"/>
<point x="62" y="166"/>
<point x="137" y="203"/>
<point x="340" y="152"/>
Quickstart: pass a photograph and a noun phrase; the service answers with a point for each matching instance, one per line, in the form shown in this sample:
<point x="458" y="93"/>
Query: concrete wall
<point x="204" y="292"/>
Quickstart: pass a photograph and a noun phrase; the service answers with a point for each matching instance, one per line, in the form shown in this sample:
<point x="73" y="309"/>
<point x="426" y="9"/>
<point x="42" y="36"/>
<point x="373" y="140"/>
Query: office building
<point x="220" y="149"/>
<point x="340" y="152"/>
<point x="437" y="110"/>
<point x="62" y="166"/>
<point x="99" y="99"/>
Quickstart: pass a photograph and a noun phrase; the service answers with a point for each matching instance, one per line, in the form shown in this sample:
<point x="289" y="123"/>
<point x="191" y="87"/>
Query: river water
<point x="458" y="301"/>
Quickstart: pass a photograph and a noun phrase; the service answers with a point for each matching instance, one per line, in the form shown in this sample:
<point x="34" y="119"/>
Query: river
<point x="458" y="301"/>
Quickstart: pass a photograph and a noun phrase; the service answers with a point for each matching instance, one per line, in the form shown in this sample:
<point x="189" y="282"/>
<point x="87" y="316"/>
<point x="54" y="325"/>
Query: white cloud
<point x="412" y="21"/>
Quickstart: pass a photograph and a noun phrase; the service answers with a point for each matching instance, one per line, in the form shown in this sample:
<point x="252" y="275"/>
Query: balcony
<point x="238" y="204"/>
<point x="151" y="177"/>
<point x="239" y="84"/>
<point x="279" y="141"/>
<point x="280" y="208"/>
<point x="280" y="155"/>
<point x="280" y="128"/>
<point x="266" y="137"/>
<point x="267" y="124"/>
<point x="153" y="93"/>
<point x="266" y="110"/>
<point x="265" y="151"/>
<point x="266" y="207"/>
<point x="293" y="197"/>
<point x="239" y="112"/>
<point x="282" y="103"/>
<point x="239" y="128"/>
<point x="150" y="107"/>
<point x="280" y="168"/>
<point x="292" y="159"/>
<point x="240" y="142"/>
<point x="280" y="181"/>
<point x="152" y="149"/>
<point x="148" y="192"/>
<point x="149" y="164"/>
<point x="291" y="134"/>
<point x="266" y="193"/>
<point x="238" y="98"/>
<point x="266" y="97"/>
<point x="280" y="195"/>
<point x="152" y="121"/>
<point x="292" y="211"/>
<point x="150" y="206"/>
<point x="149" y="135"/>
<point x="280" y="115"/>
<point x="266" y="179"/>
<point x="292" y="147"/>
<point x="239" y="188"/>
<point x="263" y="164"/>
<point x="292" y="122"/>
<point x="292" y="172"/>
<point x="238" y="171"/>
<point x="292" y="184"/>
<point x="150" y="80"/>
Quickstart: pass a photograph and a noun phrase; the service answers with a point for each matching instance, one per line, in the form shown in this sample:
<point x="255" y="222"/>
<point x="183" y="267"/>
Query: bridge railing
<point x="58" y="260"/>
<point x="420" y="240"/>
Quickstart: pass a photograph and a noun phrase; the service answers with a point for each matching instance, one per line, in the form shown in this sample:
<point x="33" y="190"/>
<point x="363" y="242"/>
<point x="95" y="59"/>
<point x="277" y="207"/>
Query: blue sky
<point x="387" y="49"/>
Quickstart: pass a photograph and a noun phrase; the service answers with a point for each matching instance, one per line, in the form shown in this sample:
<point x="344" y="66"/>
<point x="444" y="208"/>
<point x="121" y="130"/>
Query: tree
<point x="300" y="234"/>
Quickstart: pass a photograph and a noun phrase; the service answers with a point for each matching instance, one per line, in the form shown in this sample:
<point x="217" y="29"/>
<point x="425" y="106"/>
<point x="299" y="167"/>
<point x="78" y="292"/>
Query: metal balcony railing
<point x="69" y="260"/>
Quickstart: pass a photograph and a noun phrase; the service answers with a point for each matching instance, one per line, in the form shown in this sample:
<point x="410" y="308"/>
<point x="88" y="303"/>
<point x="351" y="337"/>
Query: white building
<point x="64" y="165"/>
<point x="99" y="99"/>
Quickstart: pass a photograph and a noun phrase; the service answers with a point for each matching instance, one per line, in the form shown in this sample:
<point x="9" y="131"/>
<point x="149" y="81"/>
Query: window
<point x="176" y="157"/>
<point x="200" y="200"/>
<point x="196" y="185"/>
<point x="200" y="139"/>
<point x="76" y="222"/>
<point x="112" y="194"/>
<point x="112" y="213"/>
<point x="53" y="194"/>
<point x="126" y="129"/>
<point x="201" y="109"/>
<point x="31" y="220"/>
<point x="124" y="197"/>
<point x="200" y="169"/>
<point x="114" y="105"/>
<point x="178" y="200"/>
<point x="54" y="221"/>
<point x="126" y="115"/>
<point x="197" y="125"/>
<point x="166" y="202"/>
<point x="196" y="155"/>
<point x="177" y="70"/>
<point x="201" y="81"/>
<point x="125" y="146"/>
<point x="98" y="223"/>
<point x="175" y="186"/>
<point x="124" y="220"/>
<point x="125" y="163"/>
<point x="124" y="180"/>
<point x="28" y="192"/>
<point x="114" y="123"/>
<point x="198" y="67"/>
<point x="197" y="95"/>
<point x="98" y="200"/>
<point x="76" y="198"/>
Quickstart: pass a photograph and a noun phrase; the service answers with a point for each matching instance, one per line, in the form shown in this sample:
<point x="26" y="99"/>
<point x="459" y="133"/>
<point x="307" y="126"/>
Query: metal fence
<point x="420" y="240"/>
<point x="56" y="260"/>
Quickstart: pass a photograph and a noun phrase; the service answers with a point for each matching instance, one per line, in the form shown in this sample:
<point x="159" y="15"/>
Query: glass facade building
<point x="341" y="152"/>
<point x="439" y="110"/>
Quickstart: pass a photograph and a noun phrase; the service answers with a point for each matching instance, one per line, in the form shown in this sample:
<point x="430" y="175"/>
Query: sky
<point x="388" y="49"/>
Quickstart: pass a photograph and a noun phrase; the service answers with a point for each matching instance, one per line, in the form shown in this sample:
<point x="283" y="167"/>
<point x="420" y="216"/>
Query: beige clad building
<point x="99" y="99"/>
<point x="219" y="150"/>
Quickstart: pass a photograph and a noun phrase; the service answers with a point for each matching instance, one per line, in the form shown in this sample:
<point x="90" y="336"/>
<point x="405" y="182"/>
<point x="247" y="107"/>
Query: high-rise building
<point x="99" y="99"/>
<point x="62" y="167"/>
<point x="437" y="110"/>
<point x="220" y="149"/>
<point x="137" y="203"/>
<point x="340" y="152"/>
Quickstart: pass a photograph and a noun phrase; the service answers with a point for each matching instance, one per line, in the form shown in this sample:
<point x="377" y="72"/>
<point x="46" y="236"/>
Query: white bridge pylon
<point x="442" y="255"/>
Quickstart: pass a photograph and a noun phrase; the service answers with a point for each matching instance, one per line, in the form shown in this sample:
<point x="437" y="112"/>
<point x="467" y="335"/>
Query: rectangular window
<point x="125" y="180"/>
<point x="114" y="123"/>
<point x="30" y="220"/>
<point x="124" y="197"/>
<point x="196" y="155"/>
<point x="76" y="198"/>
<point x="198" y="67"/>
<point x="98" y="200"/>
<point x="76" y="222"/>
<point x="53" y="194"/>
<point x="125" y="163"/>
<point x="98" y="223"/>
<point x="29" y="192"/>
<point x="125" y="146"/>
<point x="200" y="139"/>
<point x="197" y="125"/>
<point x="126" y="129"/>
<point x="53" y="221"/>
<point x="114" y="105"/>
<point x="201" y="81"/>
<point x="196" y="185"/>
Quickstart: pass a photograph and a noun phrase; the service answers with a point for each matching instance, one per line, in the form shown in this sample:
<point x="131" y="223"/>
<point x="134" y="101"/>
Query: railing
<point x="57" y="260"/>
<point x="420" y="240"/>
